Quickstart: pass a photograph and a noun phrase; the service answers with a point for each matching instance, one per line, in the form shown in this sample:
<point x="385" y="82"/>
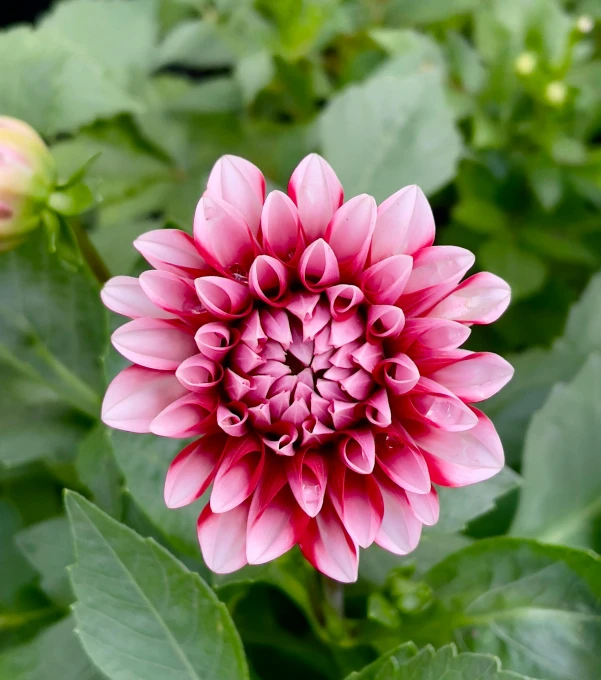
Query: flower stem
<point x="89" y="253"/>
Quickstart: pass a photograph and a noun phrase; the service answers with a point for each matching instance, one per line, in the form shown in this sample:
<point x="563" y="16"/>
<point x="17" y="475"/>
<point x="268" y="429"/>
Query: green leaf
<point x="390" y="132"/>
<point x="411" y="52"/>
<point x="426" y="11"/>
<point x="53" y="86"/>
<point x="560" y="500"/>
<point x="525" y="272"/>
<point x="73" y="200"/>
<point x="400" y="655"/>
<point x="437" y="665"/>
<point x="481" y="216"/>
<point x="15" y="572"/>
<point x="140" y="613"/>
<point x="144" y="461"/>
<point x="54" y="653"/>
<point x="53" y="326"/>
<point x="537" y="607"/>
<point x="103" y="30"/>
<point x="48" y="548"/>
<point x="194" y="43"/>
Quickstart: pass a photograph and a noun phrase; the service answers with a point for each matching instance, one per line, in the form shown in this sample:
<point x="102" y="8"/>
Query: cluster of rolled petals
<point x="311" y="349"/>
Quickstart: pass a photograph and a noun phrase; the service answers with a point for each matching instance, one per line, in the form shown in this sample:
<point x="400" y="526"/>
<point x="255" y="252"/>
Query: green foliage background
<point x="494" y="108"/>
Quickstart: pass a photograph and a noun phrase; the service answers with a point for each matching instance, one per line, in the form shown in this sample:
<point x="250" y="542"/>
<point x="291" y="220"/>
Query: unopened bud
<point x="27" y="178"/>
<point x="525" y="63"/>
<point x="556" y="93"/>
<point x="585" y="24"/>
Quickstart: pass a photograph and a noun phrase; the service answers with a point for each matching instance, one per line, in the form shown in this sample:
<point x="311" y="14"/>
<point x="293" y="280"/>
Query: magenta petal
<point x="344" y="414"/>
<point x="462" y="458"/>
<point x="223" y="298"/>
<point x="239" y="473"/>
<point x="252" y="333"/>
<point x="318" y="267"/>
<point x="302" y="305"/>
<point x="368" y="355"/>
<point x="384" y="282"/>
<point x="222" y="538"/>
<point x="124" y="295"/>
<point x="425" y="506"/>
<point x="475" y="377"/>
<point x="398" y="373"/>
<point x="136" y="396"/>
<point x="199" y="374"/>
<point x="318" y="320"/>
<point x="223" y="237"/>
<point x="377" y="409"/>
<point x="317" y="192"/>
<point x="358" y="385"/>
<point x="190" y="415"/>
<point x="384" y="322"/>
<point x="329" y="548"/>
<point x="358" y="450"/>
<point x="232" y="418"/>
<point x="314" y="431"/>
<point x="268" y="280"/>
<point x="405" y="224"/>
<point x="358" y="502"/>
<point x="308" y="476"/>
<point x="172" y="250"/>
<point x="192" y="470"/>
<point x="435" y="405"/>
<point x="281" y="230"/>
<point x="214" y="340"/>
<point x="400" y="530"/>
<point x="280" y="437"/>
<point x="277" y="326"/>
<point x="404" y="465"/>
<point x="350" y="230"/>
<point x="173" y="293"/>
<point x="344" y="332"/>
<point x="241" y="184"/>
<point x="481" y="299"/>
<point x="154" y="343"/>
<point x="427" y="334"/>
<point x="344" y="300"/>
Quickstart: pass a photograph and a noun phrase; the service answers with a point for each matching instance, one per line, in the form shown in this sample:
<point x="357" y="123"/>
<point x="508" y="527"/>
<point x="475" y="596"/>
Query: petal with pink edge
<point x="241" y="184"/>
<point x="124" y="295"/>
<point x="154" y="343"/>
<point x="232" y="418"/>
<point x="188" y="416"/>
<point x="192" y="470"/>
<point x="425" y="506"/>
<point x="281" y="230"/>
<point x="481" y="299"/>
<point x="175" y="294"/>
<point x="269" y="280"/>
<point x="308" y="475"/>
<point x="426" y="334"/>
<point x="357" y="450"/>
<point x="222" y="538"/>
<point x="350" y="230"/>
<point x="318" y="267"/>
<point x="398" y="373"/>
<point x="404" y="465"/>
<point x="317" y="192"/>
<point x="344" y="300"/>
<point x="136" y="396"/>
<point x="384" y="322"/>
<point x="384" y="282"/>
<point x="238" y="474"/>
<point x="476" y="377"/>
<point x="401" y="529"/>
<point x="172" y="250"/>
<point x="214" y="340"/>
<point x="199" y="374"/>
<point x="435" y="405"/>
<point x="405" y="224"/>
<point x="223" y="298"/>
<point x="328" y="546"/>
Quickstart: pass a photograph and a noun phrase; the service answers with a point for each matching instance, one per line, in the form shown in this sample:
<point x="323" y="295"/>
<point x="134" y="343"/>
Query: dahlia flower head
<point x="311" y="349"/>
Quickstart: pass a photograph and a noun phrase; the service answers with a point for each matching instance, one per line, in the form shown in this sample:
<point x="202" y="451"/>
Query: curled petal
<point x="476" y="377"/>
<point x="252" y="333"/>
<point x="317" y="192"/>
<point x="384" y="282"/>
<point x="222" y="538"/>
<point x="345" y="332"/>
<point x="344" y="414"/>
<point x="358" y="450"/>
<point x="405" y="224"/>
<point x="358" y="385"/>
<point x="224" y="238"/>
<point x="401" y="529"/>
<point x="136" y="396"/>
<point x="328" y="546"/>
<point x="268" y="280"/>
<point x="235" y="385"/>
<point x="358" y="502"/>
<point x="403" y="464"/>
<point x="280" y="437"/>
<point x="318" y="267"/>
<point x="232" y="418"/>
<point x="350" y="230"/>
<point x="314" y="430"/>
<point x="214" y="340"/>
<point x="399" y="374"/>
<point x="425" y="506"/>
<point x="275" y="522"/>
<point x="190" y="415"/>
<point x="172" y="250"/>
<point x="368" y="356"/>
<point x="276" y="325"/>
<point x="281" y="230"/>
<point x="199" y="374"/>
<point x="241" y="184"/>
<point x="435" y="405"/>
<point x="377" y="409"/>
<point x="124" y="295"/>
<point x="172" y="293"/>
<point x="426" y="334"/>
<point x="223" y="298"/>
<point x="154" y="343"/>
<point x="308" y="475"/>
<point x="238" y="474"/>
<point x="192" y="470"/>
<point x="260" y="415"/>
<point x="436" y="272"/>
<point x="344" y="300"/>
<point x="462" y="458"/>
<point x="384" y="322"/>
<point x="481" y="299"/>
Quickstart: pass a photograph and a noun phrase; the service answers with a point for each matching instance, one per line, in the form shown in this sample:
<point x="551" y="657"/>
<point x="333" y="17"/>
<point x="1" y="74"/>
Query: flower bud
<point x="525" y="63"/>
<point x="556" y="93"/>
<point x="27" y="178"/>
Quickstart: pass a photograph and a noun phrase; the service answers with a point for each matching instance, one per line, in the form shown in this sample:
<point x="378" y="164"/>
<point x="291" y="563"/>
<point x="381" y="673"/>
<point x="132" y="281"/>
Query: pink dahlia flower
<point x="311" y="348"/>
